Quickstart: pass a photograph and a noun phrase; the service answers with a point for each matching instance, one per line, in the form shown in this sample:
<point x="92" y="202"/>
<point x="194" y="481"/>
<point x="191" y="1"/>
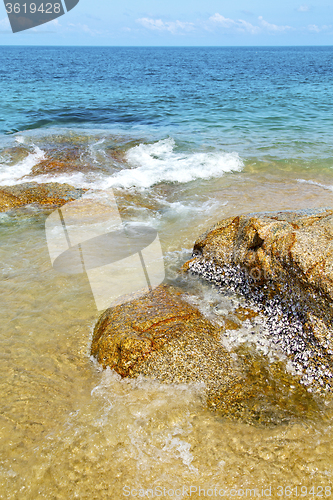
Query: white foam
<point x="154" y="163"/>
<point x="215" y="306"/>
<point x="151" y="164"/>
<point x="315" y="183"/>
<point x="77" y="179"/>
<point x="12" y="174"/>
<point x="92" y="150"/>
<point x="176" y="208"/>
<point x="183" y="449"/>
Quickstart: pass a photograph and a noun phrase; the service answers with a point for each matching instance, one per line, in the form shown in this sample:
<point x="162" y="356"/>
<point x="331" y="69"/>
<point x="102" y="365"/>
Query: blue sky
<point x="182" y="22"/>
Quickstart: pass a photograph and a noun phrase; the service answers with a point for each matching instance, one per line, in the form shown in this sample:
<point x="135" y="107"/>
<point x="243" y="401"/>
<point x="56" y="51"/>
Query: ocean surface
<point x="184" y="137"/>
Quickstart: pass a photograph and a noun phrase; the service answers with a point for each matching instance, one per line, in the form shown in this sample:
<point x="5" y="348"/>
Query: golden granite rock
<point x="50" y="194"/>
<point x="163" y="337"/>
<point x="282" y="261"/>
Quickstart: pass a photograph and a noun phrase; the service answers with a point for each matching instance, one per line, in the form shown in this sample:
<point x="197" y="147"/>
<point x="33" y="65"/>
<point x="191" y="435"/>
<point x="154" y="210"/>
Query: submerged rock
<point x="127" y="336"/>
<point x="50" y="194"/>
<point x="282" y="262"/>
<point x="163" y="336"/>
<point x="63" y="154"/>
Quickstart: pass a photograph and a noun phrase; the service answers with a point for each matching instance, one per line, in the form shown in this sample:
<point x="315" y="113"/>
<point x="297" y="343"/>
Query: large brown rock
<point x="127" y="335"/>
<point x="51" y="194"/>
<point x="164" y="337"/>
<point x="283" y="262"/>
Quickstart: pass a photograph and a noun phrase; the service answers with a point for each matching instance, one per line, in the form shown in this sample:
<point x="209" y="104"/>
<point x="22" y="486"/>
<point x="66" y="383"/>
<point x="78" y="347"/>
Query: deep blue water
<point x="257" y="101"/>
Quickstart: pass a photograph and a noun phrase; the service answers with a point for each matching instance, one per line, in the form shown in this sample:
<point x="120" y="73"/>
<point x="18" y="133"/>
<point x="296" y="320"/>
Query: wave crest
<point x="158" y="162"/>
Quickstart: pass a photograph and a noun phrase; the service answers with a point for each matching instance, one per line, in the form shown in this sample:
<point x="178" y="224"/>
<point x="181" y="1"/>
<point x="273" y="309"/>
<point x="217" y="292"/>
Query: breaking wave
<point x="12" y="174"/>
<point x="158" y="162"/>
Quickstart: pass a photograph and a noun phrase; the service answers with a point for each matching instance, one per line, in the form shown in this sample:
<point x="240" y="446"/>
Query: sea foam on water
<point x="159" y="162"/>
<point x="12" y="174"/>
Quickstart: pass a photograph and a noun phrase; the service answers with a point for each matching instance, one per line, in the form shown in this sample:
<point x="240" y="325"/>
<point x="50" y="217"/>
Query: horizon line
<point x="165" y="46"/>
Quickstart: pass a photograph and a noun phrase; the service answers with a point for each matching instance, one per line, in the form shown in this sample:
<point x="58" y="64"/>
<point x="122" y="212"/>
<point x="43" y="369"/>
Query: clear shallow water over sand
<point x="69" y="430"/>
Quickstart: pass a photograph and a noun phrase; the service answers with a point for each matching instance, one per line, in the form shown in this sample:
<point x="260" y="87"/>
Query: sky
<point x="182" y="23"/>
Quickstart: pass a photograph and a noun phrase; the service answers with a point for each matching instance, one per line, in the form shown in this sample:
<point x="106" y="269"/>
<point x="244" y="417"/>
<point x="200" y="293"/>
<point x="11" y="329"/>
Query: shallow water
<point x="69" y="429"/>
<point x="183" y="137"/>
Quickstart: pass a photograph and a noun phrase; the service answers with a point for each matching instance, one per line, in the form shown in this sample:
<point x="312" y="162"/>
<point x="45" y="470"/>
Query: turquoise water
<point x="257" y="101"/>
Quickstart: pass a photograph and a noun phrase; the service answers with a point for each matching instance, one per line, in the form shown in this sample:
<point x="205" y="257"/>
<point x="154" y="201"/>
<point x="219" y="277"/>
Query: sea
<point x="184" y="137"/>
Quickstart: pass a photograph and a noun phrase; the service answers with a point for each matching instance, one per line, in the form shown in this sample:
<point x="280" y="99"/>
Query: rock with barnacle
<point x="164" y="337"/>
<point x="283" y="263"/>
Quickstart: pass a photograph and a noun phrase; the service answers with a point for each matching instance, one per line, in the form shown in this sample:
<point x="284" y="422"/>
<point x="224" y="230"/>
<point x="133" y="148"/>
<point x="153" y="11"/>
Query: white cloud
<point x="222" y="21"/>
<point x="316" y="29"/>
<point x="243" y="26"/>
<point x="273" y="27"/>
<point x="159" y="25"/>
<point x="313" y="27"/>
<point x="226" y="24"/>
<point x="303" y="8"/>
<point x="4" y="23"/>
<point x="152" y="24"/>
<point x="55" y="22"/>
<point x="240" y="25"/>
<point x="85" y="29"/>
<point x="248" y="27"/>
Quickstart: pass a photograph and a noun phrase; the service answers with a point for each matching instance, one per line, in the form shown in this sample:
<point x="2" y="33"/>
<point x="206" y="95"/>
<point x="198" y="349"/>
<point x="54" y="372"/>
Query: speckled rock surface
<point x="127" y="335"/>
<point x="283" y="263"/>
<point x="50" y="194"/>
<point x="164" y="337"/>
